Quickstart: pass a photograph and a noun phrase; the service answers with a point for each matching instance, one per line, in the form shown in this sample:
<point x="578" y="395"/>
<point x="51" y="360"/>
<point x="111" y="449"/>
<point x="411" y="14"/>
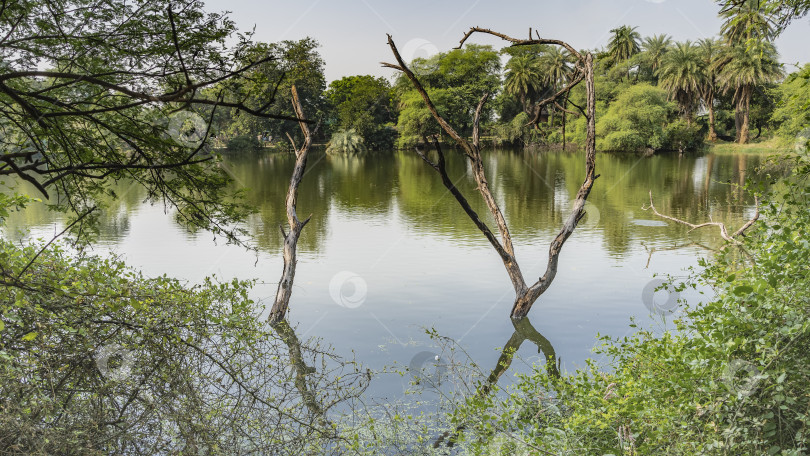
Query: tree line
<point x="654" y="94"/>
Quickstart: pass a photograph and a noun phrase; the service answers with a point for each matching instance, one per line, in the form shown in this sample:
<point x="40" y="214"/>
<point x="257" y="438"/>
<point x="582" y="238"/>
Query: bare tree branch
<point x="723" y="230"/>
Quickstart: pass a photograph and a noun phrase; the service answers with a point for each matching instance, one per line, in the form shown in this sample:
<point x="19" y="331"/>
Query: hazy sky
<point x="353" y="41"/>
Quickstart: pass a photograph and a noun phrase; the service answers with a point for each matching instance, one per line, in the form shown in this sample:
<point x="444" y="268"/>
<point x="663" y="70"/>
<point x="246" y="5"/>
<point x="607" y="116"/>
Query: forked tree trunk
<point x="525" y="295"/>
<point x="284" y="291"/>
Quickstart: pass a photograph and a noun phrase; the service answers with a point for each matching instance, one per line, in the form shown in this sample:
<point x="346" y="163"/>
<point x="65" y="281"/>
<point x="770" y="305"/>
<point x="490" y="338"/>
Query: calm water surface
<point x="401" y="256"/>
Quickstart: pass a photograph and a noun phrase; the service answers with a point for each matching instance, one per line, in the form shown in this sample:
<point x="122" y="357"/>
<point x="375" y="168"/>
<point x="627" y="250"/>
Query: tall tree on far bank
<point x="740" y="70"/>
<point x="556" y="70"/>
<point x="681" y="74"/>
<point x="364" y="104"/>
<point x="744" y="21"/>
<point x="709" y="53"/>
<point x="624" y="43"/>
<point x="654" y="48"/>
<point x="523" y="78"/>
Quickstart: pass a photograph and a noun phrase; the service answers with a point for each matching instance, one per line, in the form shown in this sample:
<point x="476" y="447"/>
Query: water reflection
<point x="533" y="188"/>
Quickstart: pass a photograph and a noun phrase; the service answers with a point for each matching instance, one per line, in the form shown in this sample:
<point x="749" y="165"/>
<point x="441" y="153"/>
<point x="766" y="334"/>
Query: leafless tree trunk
<point x="526" y="294"/>
<point x="285" y="285"/>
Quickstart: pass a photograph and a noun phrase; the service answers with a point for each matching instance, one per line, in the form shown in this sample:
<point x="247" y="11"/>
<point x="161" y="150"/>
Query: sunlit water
<point x="401" y="256"/>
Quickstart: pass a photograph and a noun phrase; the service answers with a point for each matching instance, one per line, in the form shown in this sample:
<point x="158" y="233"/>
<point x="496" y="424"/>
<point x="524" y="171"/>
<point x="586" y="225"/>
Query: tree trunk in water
<point x="284" y="291"/>
<point x="525" y="295"/>
<point x="525" y="299"/>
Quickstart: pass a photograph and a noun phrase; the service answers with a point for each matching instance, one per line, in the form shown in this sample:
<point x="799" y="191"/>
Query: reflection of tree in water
<point x="113" y="213"/>
<point x="524" y="330"/>
<point x="536" y="188"/>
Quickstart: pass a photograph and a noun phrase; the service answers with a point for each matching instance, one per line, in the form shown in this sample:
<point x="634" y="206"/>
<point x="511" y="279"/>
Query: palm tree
<point x="709" y="52"/>
<point x="555" y="65"/>
<point x="681" y="74"/>
<point x="346" y="142"/>
<point x="741" y="68"/>
<point x="623" y="44"/>
<point x="654" y="47"/>
<point x="523" y="77"/>
<point x="745" y="21"/>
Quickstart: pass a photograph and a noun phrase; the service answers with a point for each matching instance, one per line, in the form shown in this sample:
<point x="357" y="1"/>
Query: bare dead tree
<point x="723" y="230"/>
<point x="526" y="294"/>
<point x="285" y="285"/>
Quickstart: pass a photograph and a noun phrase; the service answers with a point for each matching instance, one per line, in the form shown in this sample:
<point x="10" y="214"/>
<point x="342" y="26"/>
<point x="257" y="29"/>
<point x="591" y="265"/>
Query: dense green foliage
<point x="95" y="92"/>
<point x="793" y="111"/>
<point x="297" y="63"/>
<point x="96" y="358"/>
<point x="456" y="81"/>
<point x="364" y="104"/>
<point x="635" y="120"/>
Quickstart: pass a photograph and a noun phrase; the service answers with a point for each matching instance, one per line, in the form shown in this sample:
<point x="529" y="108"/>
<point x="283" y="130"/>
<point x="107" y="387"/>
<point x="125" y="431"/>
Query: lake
<point x="389" y="253"/>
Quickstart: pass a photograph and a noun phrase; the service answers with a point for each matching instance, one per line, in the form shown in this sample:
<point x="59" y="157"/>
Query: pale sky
<point x="352" y="33"/>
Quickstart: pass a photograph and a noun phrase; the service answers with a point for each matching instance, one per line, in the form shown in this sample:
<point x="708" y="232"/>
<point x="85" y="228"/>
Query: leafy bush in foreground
<point x="97" y="359"/>
<point x="732" y="378"/>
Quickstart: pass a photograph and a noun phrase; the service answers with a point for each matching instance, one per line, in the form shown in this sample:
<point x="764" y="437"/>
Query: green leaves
<point x="743" y="290"/>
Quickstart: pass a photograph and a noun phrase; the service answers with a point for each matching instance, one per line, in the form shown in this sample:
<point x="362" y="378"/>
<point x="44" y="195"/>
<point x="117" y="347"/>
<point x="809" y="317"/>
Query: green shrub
<point x="681" y="136"/>
<point x="635" y="120"/>
<point x="348" y="143"/>
<point x="244" y="143"/>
